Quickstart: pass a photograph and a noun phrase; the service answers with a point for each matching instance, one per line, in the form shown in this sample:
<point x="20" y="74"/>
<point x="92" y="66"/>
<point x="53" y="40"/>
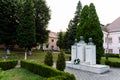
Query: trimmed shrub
<point x="113" y="55"/>
<point x="8" y="64"/>
<point x="46" y="71"/>
<point x="48" y="58"/>
<point x="112" y="64"/>
<point x="67" y="51"/>
<point x="60" y="64"/>
<point x="0" y="69"/>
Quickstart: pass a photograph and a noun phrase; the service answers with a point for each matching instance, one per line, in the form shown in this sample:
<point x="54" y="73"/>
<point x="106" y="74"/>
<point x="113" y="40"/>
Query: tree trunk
<point x="7" y="52"/>
<point x="30" y="52"/>
<point x="26" y="53"/>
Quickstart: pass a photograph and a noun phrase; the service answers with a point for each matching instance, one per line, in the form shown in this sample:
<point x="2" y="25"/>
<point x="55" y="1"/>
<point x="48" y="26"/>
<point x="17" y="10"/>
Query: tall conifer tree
<point x="60" y="40"/>
<point x="72" y="27"/>
<point x="90" y="27"/>
<point x="96" y="32"/>
<point x="81" y="29"/>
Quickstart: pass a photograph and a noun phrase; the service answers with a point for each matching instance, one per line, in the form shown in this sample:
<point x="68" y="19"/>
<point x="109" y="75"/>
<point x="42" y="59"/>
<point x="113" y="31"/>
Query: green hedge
<point x="112" y="64"/>
<point x="0" y="69"/>
<point x="46" y="71"/>
<point x="112" y="55"/>
<point x="8" y="64"/>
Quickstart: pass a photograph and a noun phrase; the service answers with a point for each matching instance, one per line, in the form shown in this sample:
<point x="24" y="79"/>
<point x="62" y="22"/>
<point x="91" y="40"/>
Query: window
<point x="52" y="40"/>
<point x="110" y="50"/>
<point x="52" y="47"/>
<point x="106" y="50"/>
<point x="119" y="39"/>
<point x="47" y="46"/>
<point x="108" y="40"/>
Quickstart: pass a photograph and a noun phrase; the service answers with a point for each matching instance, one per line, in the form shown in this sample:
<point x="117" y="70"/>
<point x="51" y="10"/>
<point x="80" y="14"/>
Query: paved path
<point x="114" y="74"/>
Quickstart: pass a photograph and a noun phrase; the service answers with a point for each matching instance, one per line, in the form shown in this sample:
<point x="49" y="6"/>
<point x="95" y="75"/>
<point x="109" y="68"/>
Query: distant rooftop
<point x="53" y="34"/>
<point x="114" y="26"/>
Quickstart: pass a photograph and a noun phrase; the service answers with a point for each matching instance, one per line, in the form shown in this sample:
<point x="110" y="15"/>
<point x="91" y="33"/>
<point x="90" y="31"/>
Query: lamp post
<point x="107" y="44"/>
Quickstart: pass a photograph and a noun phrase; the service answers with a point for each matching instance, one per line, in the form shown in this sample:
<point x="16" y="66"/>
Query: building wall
<point x="115" y="45"/>
<point x="52" y="42"/>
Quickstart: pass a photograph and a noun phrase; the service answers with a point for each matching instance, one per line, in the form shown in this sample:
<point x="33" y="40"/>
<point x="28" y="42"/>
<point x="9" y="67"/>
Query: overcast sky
<point x="62" y="11"/>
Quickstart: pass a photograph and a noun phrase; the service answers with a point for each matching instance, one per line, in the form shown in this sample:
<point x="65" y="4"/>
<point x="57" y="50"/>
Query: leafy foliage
<point x="5" y="65"/>
<point x="60" y="40"/>
<point x="90" y="27"/>
<point x="112" y="64"/>
<point x="48" y="58"/>
<point x="44" y="70"/>
<point x="72" y="28"/>
<point x="8" y="21"/>
<point x="42" y="16"/>
<point x="26" y="30"/>
<point x="60" y="64"/>
<point x="82" y="27"/>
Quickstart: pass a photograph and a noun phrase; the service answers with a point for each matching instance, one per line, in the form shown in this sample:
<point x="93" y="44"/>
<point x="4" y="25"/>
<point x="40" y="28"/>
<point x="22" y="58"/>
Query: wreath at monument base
<point x="76" y="61"/>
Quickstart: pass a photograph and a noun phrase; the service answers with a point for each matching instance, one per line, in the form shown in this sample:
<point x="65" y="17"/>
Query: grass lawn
<point x="19" y="74"/>
<point x="23" y="74"/>
<point x="112" y="59"/>
<point x="37" y="56"/>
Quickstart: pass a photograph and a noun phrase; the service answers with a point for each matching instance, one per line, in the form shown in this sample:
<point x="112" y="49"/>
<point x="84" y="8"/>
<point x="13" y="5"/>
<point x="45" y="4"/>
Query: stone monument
<point x="90" y="50"/>
<point x="80" y="49"/>
<point x="86" y="53"/>
<point x="74" y="51"/>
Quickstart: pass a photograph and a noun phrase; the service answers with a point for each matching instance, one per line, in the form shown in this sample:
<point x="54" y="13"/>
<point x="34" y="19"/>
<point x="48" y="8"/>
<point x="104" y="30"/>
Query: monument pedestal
<point x="86" y="55"/>
<point x="87" y="67"/>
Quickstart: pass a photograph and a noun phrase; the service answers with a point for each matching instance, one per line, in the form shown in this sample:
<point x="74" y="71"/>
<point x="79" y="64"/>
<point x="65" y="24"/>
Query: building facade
<point x="52" y="42"/>
<point x="112" y="37"/>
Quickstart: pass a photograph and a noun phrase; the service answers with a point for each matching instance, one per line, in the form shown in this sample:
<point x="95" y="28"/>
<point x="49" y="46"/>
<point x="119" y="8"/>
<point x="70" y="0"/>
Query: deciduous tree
<point x="8" y="22"/>
<point x="26" y="30"/>
<point x="42" y="17"/>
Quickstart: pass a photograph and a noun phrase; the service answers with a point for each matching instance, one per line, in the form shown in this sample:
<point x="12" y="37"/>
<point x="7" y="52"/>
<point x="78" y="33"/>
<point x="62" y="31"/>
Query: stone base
<point x="87" y="67"/>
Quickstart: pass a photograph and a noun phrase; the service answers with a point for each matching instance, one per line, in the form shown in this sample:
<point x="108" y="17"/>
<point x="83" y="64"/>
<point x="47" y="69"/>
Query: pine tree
<point x="96" y="32"/>
<point x="90" y="27"/>
<point x="72" y="27"/>
<point x="81" y="29"/>
<point x="48" y="58"/>
<point x="60" y="40"/>
<point x="26" y="30"/>
<point x="60" y="64"/>
<point x="66" y="42"/>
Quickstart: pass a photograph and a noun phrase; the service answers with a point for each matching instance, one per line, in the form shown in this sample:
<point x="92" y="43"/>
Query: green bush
<point x="0" y="69"/>
<point x="60" y="64"/>
<point x="46" y="71"/>
<point x="112" y="55"/>
<point x="48" y="58"/>
<point x="112" y="64"/>
<point x="67" y="51"/>
<point x="8" y="64"/>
